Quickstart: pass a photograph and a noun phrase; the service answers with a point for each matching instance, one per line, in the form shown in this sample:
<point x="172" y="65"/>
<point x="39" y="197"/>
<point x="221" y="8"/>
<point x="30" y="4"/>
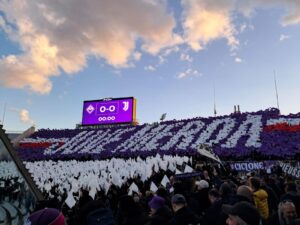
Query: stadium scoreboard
<point x="109" y="111"/>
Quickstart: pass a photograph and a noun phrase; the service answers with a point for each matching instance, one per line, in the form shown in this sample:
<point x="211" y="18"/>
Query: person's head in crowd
<point x="83" y="193"/>
<point x="202" y="184"/>
<point x="213" y="195"/>
<point x="215" y="172"/>
<point x="172" y="179"/>
<point x="234" y="173"/>
<point x="136" y="197"/>
<point x="156" y="203"/>
<point x="254" y="183"/>
<point x="46" y="216"/>
<point x="178" y="201"/>
<point x="206" y="175"/>
<point x="149" y="194"/>
<point x="250" y="174"/>
<point x="290" y="187"/>
<point x="287" y="212"/>
<point x="245" y="191"/>
<point x="162" y="192"/>
<point x="225" y="189"/>
<point x="232" y="185"/>
<point x="242" y="213"/>
<point x="126" y="204"/>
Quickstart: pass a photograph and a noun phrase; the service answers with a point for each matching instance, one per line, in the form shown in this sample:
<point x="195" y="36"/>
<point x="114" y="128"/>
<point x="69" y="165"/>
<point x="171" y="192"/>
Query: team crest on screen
<point x="90" y="109"/>
<point x="126" y="106"/>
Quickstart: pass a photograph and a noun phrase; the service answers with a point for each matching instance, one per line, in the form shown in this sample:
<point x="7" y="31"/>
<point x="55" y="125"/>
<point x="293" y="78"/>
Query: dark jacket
<point x="212" y="214"/>
<point x="184" y="217"/>
<point x="274" y="220"/>
<point x="130" y="213"/>
<point x="161" y="217"/>
<point x="203" y="201"/>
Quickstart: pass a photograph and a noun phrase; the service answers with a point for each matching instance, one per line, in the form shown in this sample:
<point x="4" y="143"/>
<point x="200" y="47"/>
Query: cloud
<point x="161" y="59"/>
<point x="243" y="27"/>
<point x="292" y="9"/>
<point x="284" y="37"/>
<point x="186" y="57"/>
<point x="188" y="73"/>
<point x="150" y="68"/>
<point x="168" y="51"/>
<point x="238" y="60"/>
<point x="24" y="116"/>
<point x="137" y="56"/>
<point x="205" y="21"/>
<point x="57" y="36"/>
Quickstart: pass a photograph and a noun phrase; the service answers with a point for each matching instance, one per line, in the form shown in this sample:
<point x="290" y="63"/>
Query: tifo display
<point x="263" y="133"/>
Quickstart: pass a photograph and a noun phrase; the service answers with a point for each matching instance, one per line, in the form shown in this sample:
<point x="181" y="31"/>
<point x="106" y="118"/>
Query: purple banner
<point x="252" y="166"/>
<point x="108" y="111"/>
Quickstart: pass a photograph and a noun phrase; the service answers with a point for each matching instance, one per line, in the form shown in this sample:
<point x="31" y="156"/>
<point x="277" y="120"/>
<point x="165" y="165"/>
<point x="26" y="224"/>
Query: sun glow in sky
<point x="169" y="55"/>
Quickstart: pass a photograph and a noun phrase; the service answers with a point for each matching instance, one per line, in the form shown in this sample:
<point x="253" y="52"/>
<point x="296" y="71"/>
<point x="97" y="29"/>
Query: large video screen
<point x="108" y="111"/>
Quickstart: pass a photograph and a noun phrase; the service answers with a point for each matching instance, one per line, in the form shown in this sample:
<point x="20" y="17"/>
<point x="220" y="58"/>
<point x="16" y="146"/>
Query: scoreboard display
<point x="109" y="111"/>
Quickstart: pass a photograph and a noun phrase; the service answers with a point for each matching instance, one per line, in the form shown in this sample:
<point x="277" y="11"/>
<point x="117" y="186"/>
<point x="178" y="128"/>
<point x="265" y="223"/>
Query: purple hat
<point x="156" y="202"/>
<point x="47" y="216"/>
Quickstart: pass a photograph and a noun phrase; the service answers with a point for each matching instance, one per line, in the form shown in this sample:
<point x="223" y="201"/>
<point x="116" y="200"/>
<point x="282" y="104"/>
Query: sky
<point x="175" y="57"/>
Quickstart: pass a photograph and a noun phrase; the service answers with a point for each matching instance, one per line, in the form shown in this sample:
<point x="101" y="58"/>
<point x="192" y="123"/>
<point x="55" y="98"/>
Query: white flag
<point x="70" y="201"/>
<point x="188" y="169"/>
<point x="92" y="192"/>
<point x="133" y="187"/>
<point x="164" y="181"/>
<point x="178" y="172"/>
<point x="153" y="187"/>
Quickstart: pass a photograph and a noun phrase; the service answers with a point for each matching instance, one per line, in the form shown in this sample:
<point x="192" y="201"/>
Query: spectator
<point x="292" y="194"/>
<point x="227" y="194"/>
<point x="46" y="216"/>
<point x="242" y="213"/>
<point x="84" y="198"/>
<point x="260" y="197"/>
<point x="130" y="212"/>
<point x="160" y="214"/>
<point x="211" y="215"/>
<point x="273" y="199"/>
<point x="244" y="193"/>
<point x="182" y="216"/>
<point x="286" y="214"/>
<point x="201" y="195"/>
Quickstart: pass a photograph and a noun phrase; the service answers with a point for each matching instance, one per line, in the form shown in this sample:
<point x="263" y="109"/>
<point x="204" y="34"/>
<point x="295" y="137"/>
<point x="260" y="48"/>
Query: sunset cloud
<point x="205" y="21"/>
<point x="24" y="116"/>
<point x="60" y="35"/>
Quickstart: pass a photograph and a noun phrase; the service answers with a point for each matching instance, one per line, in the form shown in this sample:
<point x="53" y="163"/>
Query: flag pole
<point x="4" y="110"/>
<point x="276" y="91"/>
<point x="215" y="108"/>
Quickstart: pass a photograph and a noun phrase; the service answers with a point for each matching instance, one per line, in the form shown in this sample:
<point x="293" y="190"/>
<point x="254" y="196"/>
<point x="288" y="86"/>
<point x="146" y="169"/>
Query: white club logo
<point x="126" y="106"/>
<point x="90" y="109"/>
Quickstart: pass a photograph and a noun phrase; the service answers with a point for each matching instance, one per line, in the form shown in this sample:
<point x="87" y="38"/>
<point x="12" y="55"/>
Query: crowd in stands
<point x="106" y="176"/>
<point x="216" y="196"/>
